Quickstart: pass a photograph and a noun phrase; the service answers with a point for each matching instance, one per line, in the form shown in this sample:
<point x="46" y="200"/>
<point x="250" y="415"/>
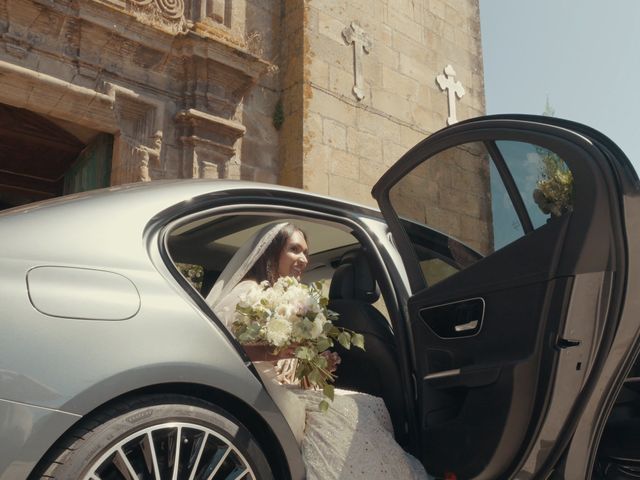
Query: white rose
<point x="318" y="325"/>
<point x="279" y="286"/>
<point x="251" y="297"/>
<point x="311" y="304"/>
<point x="285" y="311"/>
<point x="278" y="331"/>
<point x="297" y="297"/>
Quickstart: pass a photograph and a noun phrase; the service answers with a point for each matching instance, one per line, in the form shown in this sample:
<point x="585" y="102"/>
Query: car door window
<point x="544" y="181"/>
<point x="485" y="195"/>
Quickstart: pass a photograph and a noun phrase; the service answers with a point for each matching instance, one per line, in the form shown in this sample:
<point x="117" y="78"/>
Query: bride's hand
<point x="289" y="352"/>
<point x="264" y="353"/>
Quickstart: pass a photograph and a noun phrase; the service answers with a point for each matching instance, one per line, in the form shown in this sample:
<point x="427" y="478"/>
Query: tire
<point x="136" y="439"/>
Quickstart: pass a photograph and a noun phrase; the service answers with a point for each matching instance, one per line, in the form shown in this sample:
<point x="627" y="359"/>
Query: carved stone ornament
<point x="454" y="88"/>
<point x="165" y="13"/>
<point x="354" y="34"/>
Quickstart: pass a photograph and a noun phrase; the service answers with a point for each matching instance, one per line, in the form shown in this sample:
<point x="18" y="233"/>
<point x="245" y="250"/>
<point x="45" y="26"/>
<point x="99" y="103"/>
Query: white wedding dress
<point x="352" y="440"/>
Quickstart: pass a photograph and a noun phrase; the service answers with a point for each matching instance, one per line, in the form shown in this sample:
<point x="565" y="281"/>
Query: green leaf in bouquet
<point x="331" y="315"/>
<point x="304" y="353"/>
<point x="306" y="327"/>
<point x="315" y="377"/>
<point x="345" y="339"/>
<point x="357" y="340"/>
<point x="333" y="331"/>
<point x="323" y="343"/>
<point x="329" y="391"/>
<point x="302" y="370"/>
<point x="238" y="327"/>
<point x="324" y="406"/>
<point x="254" y="329"/>
<point x="321" y="362"/>
<point x="244" y="310"/>
<point x="247" y="337"/>
<point x="324" y="301"/>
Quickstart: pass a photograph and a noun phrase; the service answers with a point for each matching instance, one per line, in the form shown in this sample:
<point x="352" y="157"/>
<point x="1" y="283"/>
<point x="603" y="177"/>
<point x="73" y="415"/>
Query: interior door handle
<point x="470" y="376"/>
<point x="454" y="320"/>
<point x="466" y="326"/>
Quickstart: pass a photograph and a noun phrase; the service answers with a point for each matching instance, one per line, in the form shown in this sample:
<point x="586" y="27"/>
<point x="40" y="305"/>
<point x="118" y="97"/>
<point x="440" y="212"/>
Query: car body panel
<point x="579" y="456"/>
<point x="88" y="371"/>
<point x="27" y="432"/>
<point x="55" y="291"/>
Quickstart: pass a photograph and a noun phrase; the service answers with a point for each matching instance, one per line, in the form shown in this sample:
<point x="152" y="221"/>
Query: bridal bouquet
<point x="289" y="315"/>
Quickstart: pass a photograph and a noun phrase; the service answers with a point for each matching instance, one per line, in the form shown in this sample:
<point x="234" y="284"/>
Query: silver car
<point x="496" y="288"/>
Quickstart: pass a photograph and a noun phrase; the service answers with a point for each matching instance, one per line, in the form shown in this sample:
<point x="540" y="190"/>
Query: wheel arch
<point x="268" y="441"/>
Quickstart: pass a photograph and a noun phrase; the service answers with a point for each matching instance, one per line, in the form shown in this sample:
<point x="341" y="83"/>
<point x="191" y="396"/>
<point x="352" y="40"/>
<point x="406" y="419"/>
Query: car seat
<point x="375" y="370"/>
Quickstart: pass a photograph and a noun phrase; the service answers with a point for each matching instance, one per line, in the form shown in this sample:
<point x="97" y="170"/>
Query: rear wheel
<point x="160" y="438"/>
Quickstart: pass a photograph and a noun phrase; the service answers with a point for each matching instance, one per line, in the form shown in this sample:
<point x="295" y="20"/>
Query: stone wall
<point x="319" y="94"/>
<point x="166" y="78"/>
<point x="350" y="142"/>
<point x="260" y="145"/>
<point x="366" y="91"/>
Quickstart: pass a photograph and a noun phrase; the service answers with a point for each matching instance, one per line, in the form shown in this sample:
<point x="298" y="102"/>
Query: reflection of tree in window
<point x="554" y="192"/>
<point x="543" y="179"/>
<point x="193" y="273"/>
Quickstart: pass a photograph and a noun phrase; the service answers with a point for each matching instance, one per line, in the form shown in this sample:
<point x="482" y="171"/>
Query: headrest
<point x="353" y="279"/>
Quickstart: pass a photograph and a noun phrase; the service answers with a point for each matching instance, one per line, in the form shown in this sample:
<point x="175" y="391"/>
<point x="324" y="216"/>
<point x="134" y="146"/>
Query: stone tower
<point x="359" y="83"/>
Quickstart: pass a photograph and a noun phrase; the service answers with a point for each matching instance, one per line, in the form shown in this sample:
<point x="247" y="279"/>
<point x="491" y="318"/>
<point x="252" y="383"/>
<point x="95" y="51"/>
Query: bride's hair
<point x="266" y="267"/>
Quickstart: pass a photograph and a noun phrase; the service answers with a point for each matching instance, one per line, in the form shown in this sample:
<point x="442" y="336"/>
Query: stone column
<point x="210" y="145"/>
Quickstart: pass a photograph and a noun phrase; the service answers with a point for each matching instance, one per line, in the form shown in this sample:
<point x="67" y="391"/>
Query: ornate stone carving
<point x="214" y="11"/>
<point x="172" y="9"/>
<point x="15" y="45"/>
<point x="165" y="14"/>
<point x="448" y="82"/>
<point x="139" y="143"/>
<point x="210" y="144"/>
<point x="354" y="34"/>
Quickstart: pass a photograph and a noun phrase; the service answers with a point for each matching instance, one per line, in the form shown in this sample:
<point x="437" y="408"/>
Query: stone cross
<point x="448" y="82"/>
<point x="354" y="34"/>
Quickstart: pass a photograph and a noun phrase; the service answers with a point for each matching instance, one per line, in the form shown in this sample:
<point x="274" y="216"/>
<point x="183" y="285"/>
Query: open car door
<point x="505" y="347"/>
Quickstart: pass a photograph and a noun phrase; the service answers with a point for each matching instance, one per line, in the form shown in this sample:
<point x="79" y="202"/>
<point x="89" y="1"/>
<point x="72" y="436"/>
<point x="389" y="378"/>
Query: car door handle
<point x="454" y="320"/>
<point x="469" y="376"/>
<point x="466" y="326"/>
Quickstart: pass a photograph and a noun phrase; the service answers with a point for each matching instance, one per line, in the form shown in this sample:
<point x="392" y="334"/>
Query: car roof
<point x="160" y="194"/>
<point x="110" y="223"/>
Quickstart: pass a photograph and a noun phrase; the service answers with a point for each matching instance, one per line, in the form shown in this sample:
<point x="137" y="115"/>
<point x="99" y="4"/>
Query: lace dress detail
<point x="353" y="440"/>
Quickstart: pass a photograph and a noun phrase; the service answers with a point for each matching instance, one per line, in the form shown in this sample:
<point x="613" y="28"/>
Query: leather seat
<point x="374" y="371"/>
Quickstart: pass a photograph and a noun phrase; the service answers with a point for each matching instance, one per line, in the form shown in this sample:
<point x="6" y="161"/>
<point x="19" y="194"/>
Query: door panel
<point x="92" y="168"/>
<point x="533" y="201"/>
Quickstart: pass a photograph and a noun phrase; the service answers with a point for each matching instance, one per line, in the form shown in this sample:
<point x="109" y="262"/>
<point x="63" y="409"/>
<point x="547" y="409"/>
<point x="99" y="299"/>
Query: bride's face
<point x="293" y="257"/>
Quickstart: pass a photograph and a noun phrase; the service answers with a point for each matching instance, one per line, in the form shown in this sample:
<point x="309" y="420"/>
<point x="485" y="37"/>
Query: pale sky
<point x="584" y="55"/>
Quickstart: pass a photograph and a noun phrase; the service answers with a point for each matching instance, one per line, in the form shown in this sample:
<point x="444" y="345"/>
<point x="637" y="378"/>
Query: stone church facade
<point x="318" y="94"/>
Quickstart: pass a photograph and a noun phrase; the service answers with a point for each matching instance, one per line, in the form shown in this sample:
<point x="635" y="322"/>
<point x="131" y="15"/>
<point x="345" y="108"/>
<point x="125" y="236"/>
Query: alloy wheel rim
<point x="172" y="451"/>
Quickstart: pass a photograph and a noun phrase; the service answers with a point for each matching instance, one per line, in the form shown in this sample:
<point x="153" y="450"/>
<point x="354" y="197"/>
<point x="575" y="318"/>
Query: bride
<point x="354" y="438"/>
